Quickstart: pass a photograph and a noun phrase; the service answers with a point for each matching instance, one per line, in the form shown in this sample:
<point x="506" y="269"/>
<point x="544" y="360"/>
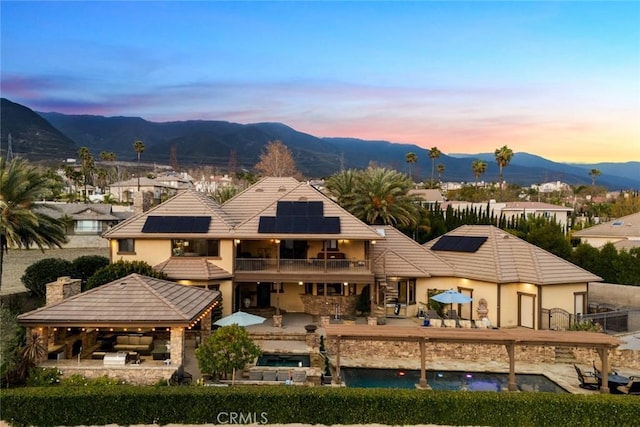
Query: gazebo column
<point x="177" y="346"/>
<point x="604" y="373"/>
<point x="205" y="327"/>
<point x="423" y="366"/>
<point x="336" y="379"/>
<point x="512" y="367"/>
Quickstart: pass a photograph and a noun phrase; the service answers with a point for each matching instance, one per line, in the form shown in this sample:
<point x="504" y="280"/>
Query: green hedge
<point x="127" y="405"/>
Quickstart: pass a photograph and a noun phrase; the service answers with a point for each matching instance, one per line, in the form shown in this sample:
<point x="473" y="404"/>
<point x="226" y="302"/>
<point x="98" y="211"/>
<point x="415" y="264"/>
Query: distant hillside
<point x="31" y="135"/>
<point x="203" y="142"/>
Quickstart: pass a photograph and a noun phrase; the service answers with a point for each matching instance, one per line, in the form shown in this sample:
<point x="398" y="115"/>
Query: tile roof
<point x="540" y="206"/>
<point x="623" y="227"/>
<point x="396" y="254"/>
<point x="131" y="300"/>
<point x="181" y="268"/>
<point x="79" y="211"/>
<point x="185" y="203"/>
<point x="350" y="226"/>
<point x="504" y="258"/>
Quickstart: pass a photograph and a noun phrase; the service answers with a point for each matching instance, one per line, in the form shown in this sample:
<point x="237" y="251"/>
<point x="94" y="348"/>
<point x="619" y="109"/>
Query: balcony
<point x="302" y="269"/>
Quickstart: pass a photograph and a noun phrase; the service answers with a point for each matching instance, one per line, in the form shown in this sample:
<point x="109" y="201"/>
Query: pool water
<point x="446" y="380"/>
<point x="284" y="360"/>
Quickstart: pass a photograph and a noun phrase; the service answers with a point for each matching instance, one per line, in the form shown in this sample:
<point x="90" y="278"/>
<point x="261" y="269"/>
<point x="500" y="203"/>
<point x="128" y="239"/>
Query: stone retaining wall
<point x="136" y="375"/>
<point x="364" y="350"/>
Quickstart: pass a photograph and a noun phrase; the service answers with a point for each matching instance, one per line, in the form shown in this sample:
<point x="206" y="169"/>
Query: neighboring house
<point x="427" y="197"/>
<point x="516" y="209"/>
<point x="519" y="281"/>
<point x="623" y="232"/>
<point x="283" y="245"/>
<point x="124" y="191"/>
<point x="85" y="221"/>
<point x="180" y="181"/>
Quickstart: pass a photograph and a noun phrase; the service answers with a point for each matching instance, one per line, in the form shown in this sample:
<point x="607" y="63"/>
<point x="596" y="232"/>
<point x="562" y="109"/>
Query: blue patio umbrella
<point x="451" y="297"/>
<point x="240" y="318"/>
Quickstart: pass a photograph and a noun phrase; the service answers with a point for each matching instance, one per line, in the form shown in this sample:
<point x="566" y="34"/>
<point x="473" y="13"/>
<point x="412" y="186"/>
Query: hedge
<point x="128" y="405"/>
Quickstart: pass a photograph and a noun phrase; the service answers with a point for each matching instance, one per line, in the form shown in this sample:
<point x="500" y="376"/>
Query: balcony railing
<point x="302" y="265"/>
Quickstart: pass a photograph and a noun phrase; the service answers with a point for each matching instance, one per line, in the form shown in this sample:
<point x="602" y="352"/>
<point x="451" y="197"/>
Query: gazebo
<point x="77" y="324"/>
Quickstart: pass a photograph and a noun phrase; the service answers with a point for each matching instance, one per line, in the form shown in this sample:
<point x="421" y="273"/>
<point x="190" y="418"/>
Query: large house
<point x="281" y="245"/>
<point x="623" y="233"/>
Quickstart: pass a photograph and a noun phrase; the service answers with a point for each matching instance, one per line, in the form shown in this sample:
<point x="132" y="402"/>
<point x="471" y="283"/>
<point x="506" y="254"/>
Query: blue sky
<point x="557" y="79"/>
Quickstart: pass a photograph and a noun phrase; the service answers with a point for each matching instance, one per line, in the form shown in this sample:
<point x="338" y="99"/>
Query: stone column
<point x="177" y="346"/>
<point x="205" y="327"/>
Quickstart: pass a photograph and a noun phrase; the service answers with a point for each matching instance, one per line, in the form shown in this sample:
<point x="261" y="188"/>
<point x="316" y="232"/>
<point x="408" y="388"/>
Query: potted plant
<point x="327" y="378"/>
<point x="323" y="350"/>
<point x="310" y="328"/>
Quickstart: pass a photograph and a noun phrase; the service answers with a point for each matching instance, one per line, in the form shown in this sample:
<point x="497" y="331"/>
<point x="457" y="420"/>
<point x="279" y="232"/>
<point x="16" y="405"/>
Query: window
<point x="195" y="247"/>
<point x="87" y="226"/>
<point x="126" y="246"/>
<point x="332" y="245"/>
<point x="332" y="288"/>
<point x="407" y="291"/>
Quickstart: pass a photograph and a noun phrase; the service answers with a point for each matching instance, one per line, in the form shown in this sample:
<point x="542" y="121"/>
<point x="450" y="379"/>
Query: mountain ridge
<point x="213" y="142"/>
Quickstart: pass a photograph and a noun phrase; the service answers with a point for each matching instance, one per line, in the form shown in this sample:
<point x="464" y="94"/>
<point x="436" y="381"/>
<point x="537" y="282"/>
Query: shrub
<point x="121" y="269"/>
<point x="47" y="270"/>
<point x="42" y="377"/>
<point x="228" y="348"/>
<point x="86" y="266"/>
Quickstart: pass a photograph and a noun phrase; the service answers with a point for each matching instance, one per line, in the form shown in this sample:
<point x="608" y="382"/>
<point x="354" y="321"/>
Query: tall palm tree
<point x="440" y="169"/>
<point x="341" y="187"/>
<point x="479" y="168"/>
<point x="434" y="154"/>
<point x="20" y="224"/>
<point x="503" y="155"/>
<point x="110" y="156"/>
<point x="87" y="167"/>
<point x="594" y="173"/>
<point x="411" y="158"/>
<point x="138" y="147"/>
<point x="380" y="197"/>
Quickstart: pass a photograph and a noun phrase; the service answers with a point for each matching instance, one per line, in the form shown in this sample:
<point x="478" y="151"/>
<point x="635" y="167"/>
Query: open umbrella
<point x="240" y="318"/>
<point x="451" y="297"/>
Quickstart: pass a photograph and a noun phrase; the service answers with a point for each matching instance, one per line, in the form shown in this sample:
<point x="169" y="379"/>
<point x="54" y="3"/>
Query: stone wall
<point x="61" y="289"/>
<point x="131" y="374"/>
<point x="407" y="351"/>
<point x="615" y="295"/>
<point x="319" y="305"/>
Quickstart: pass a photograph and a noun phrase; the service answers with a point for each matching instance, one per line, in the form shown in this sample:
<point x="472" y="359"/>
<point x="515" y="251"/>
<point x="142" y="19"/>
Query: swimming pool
<point x="284" y="360"/>
<point x="446" y="380"/>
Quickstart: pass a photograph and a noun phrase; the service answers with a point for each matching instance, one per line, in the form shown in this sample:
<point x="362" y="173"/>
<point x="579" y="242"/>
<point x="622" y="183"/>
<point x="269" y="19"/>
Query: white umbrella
<point x="240" y="318"/>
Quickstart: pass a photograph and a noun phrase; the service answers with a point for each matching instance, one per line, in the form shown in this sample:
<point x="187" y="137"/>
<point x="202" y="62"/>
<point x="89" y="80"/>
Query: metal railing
<point x="301" y="265"/>
<point x="610" y="321"/>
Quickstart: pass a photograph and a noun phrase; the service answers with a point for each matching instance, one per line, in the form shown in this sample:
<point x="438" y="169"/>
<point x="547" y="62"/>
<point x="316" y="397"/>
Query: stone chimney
<point x="62" y="288"/>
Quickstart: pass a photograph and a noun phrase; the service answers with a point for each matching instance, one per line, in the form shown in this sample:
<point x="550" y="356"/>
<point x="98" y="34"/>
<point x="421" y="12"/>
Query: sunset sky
<point x="556" y="79"/>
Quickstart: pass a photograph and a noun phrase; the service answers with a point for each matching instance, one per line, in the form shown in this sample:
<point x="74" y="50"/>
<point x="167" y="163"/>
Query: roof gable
<point x="504" y="258"/>
<point x="133" y="300"/>
<point x="186" y="204"/>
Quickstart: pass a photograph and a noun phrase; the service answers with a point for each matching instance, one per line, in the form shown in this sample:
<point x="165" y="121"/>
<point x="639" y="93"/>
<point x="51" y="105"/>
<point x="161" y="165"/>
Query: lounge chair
<point x="465" y="323"/>
<point x="299" y="376"/>
<point x="633" y="387"/>
<point x="432" y="314"/>
<point x="450" y="323"/>
<point x="480" y="324"/>
<point x="283" y="376"/>
<point x="435" y="323"/>
<point x="597" y="368"/>
<point x="588" y="380"/>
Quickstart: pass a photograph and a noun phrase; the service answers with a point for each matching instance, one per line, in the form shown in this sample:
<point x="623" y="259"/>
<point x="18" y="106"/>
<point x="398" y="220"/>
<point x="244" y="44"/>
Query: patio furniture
<point x="269" y="375"/>
<point x="588" y="380"/>
<point x="299" y="376"/>
<point x="435" y="323"/>
<point x="255" y="375"/>
<point x="283" y="376"/>
<point x="115" y="359"/>
<point x="450" y="323"/>
<point x="597" y="368"/>
<point x="160" y="351"/>
<point x="632" y="387"/>
<point x="613" y="381"/>
<point x="432" y="314"/>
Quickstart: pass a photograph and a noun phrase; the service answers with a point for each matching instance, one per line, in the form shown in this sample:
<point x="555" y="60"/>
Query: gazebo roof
<point x="133" y="300"/>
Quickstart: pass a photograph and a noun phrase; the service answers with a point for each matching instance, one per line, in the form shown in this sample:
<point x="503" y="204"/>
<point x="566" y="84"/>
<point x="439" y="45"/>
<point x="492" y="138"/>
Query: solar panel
<point x="459" y="243"/>
<point x="299" y="217"/>
<point x="176" y="224"/>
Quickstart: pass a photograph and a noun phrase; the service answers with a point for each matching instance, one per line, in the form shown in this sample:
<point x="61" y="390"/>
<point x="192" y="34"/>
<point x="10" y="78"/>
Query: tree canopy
<point x="226" y="349"/>
<point x="277" y="160"/>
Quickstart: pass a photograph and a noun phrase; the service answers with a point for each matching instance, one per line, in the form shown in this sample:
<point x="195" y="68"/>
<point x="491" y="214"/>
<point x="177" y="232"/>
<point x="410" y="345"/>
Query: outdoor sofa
<point x="139" y="344"/>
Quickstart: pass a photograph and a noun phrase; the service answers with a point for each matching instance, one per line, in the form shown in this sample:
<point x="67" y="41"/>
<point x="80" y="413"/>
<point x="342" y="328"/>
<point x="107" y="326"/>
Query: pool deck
<point x="562" y="374"/>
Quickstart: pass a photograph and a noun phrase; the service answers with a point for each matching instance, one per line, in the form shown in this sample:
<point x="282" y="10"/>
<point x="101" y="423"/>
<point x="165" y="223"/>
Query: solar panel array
<point x="459" y="243"/>
<point x="176" y="224"/>
<point x="299" y="218"/>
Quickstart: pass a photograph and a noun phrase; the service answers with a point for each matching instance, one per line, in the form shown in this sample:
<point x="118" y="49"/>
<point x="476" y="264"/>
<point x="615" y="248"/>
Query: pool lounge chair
<point x="435" y="323"/>
<point x="269" y="375"/>
<point x="597" y="368"/>
<point x="633" y="387"/>
<point x="432" y="314"/>
<point x="299" y="376"/>
<point x="588" y="380"/>
<point x="255" y="375"/>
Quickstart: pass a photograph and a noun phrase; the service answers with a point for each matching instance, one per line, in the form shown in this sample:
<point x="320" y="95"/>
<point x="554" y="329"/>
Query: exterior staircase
<point x="564" y="355"/>
<point x="390" y="297"/>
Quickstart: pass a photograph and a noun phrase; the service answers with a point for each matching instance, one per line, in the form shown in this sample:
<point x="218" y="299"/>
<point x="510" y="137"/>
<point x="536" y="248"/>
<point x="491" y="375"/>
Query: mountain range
<point x="51" y="136"/>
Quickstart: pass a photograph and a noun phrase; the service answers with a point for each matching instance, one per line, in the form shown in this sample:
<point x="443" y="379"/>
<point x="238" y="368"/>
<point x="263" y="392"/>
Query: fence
<point x="611" y="321"/>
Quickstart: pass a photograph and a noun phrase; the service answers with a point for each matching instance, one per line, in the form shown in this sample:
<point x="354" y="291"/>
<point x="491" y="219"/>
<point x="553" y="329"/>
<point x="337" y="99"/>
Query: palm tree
<point x="594" y="173"/>
<point x="341" y="187"/>
<point x="503" y="155"/>
<point x="434" y="153"/>
<point x="440" y="169"/>
<point x="479" y="168"/>
<point x="380" y="197"/>
<point x="88" y="166"/>
<point x="411" y="158"/>
<point x="138" y="147"/>
<point x="110" y="156"/>
<point x="20" y="224"/>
